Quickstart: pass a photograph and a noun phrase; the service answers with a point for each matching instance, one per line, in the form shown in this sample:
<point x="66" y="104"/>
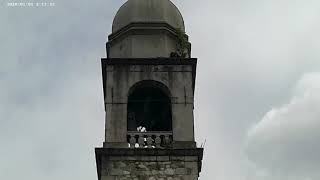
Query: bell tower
<point x="148" y="85"/>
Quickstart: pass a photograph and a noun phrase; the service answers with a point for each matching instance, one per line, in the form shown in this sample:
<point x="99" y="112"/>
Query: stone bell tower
<point x="148" y="85"/>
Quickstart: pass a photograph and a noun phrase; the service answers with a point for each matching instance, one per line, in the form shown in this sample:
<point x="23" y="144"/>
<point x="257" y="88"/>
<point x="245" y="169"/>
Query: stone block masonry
<point x="149" y="167"/>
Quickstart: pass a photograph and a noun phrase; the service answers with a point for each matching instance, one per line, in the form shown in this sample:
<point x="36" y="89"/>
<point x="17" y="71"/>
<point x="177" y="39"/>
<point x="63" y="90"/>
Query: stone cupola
<point x="147" y="29"/>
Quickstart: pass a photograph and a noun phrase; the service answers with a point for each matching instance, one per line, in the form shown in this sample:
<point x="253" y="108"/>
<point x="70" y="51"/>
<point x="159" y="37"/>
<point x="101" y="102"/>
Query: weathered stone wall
<point x="150" y="168"/>
<point x="178" y="78"/>
<point x="138" y="45"/>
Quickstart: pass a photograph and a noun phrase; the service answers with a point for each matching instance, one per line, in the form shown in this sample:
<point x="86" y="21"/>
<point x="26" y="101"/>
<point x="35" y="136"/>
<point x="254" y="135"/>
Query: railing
<point x="155" y="139"/>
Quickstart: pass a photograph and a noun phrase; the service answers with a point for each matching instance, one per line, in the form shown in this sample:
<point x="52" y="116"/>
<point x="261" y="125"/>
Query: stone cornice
<point x="143" y="27"/>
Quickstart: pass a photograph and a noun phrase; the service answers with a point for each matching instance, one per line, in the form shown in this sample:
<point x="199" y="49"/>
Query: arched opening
<point x="149" y="107"/>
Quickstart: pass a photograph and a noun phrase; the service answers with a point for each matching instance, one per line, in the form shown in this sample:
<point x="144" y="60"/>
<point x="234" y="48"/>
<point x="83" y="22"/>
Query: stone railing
<point x="154" y="139"/>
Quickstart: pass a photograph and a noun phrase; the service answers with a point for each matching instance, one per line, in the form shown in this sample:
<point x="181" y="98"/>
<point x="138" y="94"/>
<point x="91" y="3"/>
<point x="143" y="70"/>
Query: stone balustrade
<point x="154" y="139"/>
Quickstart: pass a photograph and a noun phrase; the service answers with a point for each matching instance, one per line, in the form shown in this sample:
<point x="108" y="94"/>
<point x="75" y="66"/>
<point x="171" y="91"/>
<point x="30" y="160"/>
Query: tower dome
<point x="148" y="11"/>
<point x="148" y="29"/>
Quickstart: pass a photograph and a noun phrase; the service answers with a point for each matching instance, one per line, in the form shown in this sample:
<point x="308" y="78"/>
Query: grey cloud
<point x="51" y="111"/>
<point x="285" y="141"/>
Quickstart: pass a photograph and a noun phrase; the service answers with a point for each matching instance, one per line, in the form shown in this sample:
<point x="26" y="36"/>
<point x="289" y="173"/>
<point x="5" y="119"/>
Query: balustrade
<point x="153" y="139"/>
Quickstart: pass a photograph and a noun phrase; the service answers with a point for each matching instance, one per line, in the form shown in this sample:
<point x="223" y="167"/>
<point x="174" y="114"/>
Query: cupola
<point x="148" y="29"/>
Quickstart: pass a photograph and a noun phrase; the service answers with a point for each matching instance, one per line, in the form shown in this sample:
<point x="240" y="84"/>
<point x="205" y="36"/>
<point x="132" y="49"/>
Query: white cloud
<point x="285" y="143"/>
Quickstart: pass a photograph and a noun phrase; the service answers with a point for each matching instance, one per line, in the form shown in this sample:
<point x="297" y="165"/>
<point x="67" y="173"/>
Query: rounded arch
<point x="150" y="83"/>
<point x="149" y="106"/>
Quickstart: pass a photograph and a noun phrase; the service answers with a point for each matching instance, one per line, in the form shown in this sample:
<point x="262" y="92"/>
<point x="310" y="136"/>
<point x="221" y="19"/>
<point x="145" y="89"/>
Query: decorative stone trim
<point x="155" y="139"/>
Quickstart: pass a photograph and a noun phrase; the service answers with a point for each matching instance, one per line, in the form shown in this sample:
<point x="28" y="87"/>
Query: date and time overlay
<point x="30" y="4"/>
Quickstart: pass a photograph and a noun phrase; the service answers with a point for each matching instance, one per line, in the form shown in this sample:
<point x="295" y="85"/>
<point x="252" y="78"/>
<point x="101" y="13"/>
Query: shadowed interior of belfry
<point x="149" y="107"/>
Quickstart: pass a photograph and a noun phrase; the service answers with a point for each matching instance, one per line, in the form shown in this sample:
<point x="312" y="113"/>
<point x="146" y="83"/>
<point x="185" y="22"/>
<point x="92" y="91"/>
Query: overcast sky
<point x="257" y="91"/>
